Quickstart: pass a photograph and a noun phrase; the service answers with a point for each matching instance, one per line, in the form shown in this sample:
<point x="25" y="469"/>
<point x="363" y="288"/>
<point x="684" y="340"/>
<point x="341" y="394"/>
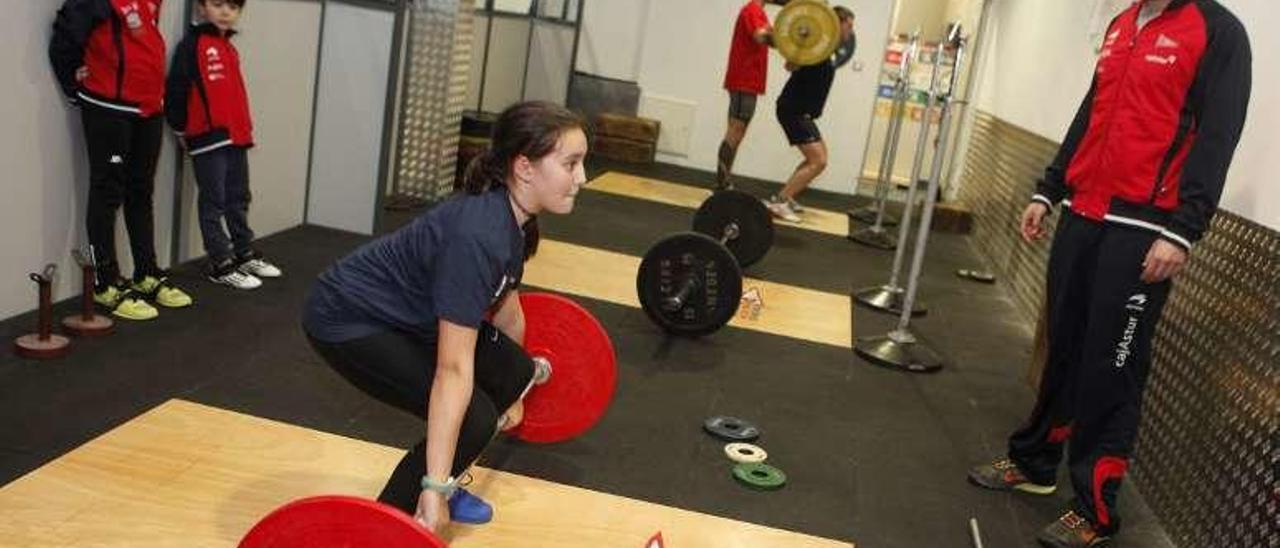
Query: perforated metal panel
<point x="435" y="84"/>
<point x="1207" y="449"/>
<point x="1000" y="169"/>
<point x="1208" y="453"/>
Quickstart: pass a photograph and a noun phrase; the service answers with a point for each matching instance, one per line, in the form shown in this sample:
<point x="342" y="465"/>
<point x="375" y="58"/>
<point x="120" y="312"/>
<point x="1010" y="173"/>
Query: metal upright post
<point x="889" y="297"/>
<point x="573" y="55"/>
<point x="875" y="235"/>
<point x="901" y="348"/>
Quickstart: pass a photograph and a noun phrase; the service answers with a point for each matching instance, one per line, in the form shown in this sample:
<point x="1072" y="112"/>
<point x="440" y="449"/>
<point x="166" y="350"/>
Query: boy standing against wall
<point x="207" y="104"/>
<point x="108" y="56"/>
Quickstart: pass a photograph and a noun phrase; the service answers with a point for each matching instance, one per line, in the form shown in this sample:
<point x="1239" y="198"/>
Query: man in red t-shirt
<point x="744" y="79"/>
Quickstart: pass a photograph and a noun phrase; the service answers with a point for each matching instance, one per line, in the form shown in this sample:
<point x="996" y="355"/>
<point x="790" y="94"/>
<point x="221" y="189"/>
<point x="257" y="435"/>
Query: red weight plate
<point x="583" y="369"/>
<point x="334" y="521"/>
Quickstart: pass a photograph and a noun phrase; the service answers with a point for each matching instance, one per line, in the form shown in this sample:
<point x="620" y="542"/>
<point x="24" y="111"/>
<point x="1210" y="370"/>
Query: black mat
<point x="873" y="455"/>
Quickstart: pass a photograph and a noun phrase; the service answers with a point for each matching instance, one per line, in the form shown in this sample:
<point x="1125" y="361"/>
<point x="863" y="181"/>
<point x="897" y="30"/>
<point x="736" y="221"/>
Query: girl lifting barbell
<point x="427" y="319"/>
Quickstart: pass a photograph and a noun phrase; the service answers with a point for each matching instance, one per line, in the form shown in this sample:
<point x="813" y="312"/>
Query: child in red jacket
<point x="206" y="103"/>
<point x="108" y="56"/>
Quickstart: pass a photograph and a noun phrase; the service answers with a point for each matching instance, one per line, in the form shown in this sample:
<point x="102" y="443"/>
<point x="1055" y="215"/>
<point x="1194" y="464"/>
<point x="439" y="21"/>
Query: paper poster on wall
<point x="920" y="73"/>
<point x="915" y="111"/>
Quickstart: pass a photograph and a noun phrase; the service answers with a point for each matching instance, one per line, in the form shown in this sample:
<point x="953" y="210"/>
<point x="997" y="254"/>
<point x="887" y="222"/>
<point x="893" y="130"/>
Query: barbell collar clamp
<point x="675" y="302"/>
<point x="731" y="232"/>
<point x="541" y="370"/>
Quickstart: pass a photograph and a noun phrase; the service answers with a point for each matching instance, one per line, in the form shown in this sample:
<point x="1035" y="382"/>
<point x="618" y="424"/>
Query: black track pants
<point x="1101" y="319"/>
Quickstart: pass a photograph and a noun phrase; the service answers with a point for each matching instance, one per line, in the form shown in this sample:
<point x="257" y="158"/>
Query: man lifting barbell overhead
<point x="427" y="319"/>
<point x="805" y="95"/>
<point x="744" y="79"/>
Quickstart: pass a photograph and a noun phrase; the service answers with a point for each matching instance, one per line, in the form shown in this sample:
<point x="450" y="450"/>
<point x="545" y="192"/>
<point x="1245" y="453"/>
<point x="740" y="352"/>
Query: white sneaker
<point x="794" y="205"/>
<point x="260" y="268"/>
<point x="782" y="211"/>
<point x="237" y="279"/>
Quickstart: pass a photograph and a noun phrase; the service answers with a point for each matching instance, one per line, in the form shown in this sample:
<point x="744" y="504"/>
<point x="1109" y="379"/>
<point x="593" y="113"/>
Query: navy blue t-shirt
<point x="455" y="262"/>
<point x="806" y="90"/>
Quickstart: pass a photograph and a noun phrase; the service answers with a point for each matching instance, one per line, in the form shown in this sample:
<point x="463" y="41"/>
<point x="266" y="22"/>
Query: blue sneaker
<point x="467" y="508"/>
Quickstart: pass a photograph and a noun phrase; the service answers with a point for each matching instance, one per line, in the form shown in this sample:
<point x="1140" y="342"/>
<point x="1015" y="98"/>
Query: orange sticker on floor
<point x="751" y="304"/>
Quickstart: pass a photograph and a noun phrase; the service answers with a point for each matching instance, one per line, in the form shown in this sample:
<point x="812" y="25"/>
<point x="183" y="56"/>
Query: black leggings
<point x="123" y="151"/>
<point x="398" y="368"/>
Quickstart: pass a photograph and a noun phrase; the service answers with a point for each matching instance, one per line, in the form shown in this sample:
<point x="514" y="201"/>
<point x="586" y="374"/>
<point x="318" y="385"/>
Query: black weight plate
<point x="731" y="429"/>
<point x="755" y="225"/>
<point x="712" y="301"/>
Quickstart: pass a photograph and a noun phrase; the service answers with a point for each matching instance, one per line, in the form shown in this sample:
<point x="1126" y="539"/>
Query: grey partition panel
<point x="550" y="54"/>
<point x="504" y="76"/>
<point x="350" y="106"/>
<point x="1208" y="453"/>
<point x="521" y="7"/>
<point x="476" y="68"/>
<point x="553" y="8"/>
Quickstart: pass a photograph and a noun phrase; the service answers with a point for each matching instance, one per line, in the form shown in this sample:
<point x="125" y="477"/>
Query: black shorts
<point x="742" y="106"/>
<point x="800" y="128"/>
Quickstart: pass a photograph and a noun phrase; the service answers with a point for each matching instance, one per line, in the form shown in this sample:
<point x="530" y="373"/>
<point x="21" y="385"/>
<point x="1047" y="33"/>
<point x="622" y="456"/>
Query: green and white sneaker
<point x="163" y="292"/>
<point x="1003" y="475"/>
<point x="124" y="303"/>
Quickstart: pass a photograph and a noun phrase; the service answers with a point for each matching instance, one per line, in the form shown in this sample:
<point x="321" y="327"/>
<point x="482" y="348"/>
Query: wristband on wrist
<point x="445" y="488"/>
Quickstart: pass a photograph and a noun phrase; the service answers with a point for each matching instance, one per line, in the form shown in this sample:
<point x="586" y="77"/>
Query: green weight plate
<point x="758" y="475"/>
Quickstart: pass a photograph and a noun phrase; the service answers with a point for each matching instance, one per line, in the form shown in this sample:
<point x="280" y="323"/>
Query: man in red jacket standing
<point x="745" y="80"/>
<point x="207" y="104"/>
<point x="1140" y="174"/>
<point x="108" y="56"/>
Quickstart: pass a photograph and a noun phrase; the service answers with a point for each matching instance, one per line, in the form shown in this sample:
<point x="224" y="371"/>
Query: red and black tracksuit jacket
<point x="1151" y="144"/>
<point x="205" y="97"/>
<point x="119" y="46"/>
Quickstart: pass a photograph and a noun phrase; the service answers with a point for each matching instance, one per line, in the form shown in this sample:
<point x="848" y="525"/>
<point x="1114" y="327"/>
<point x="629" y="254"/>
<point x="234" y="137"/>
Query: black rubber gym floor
<point x="872" y="455"/>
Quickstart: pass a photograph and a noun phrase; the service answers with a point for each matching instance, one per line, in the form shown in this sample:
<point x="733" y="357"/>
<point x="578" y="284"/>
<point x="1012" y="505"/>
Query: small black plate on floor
<point x="731" y="429"/>
<point x="977" y="275"/>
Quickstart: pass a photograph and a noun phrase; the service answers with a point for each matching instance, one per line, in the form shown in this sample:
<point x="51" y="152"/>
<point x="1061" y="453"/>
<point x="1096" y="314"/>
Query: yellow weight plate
<point x="806" y="32"/>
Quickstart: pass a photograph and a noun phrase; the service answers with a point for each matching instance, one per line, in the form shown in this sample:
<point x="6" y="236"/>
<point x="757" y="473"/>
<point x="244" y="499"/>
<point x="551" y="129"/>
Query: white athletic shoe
<point x="783" y="211"/>
<point x="260" y="268"/>
<point x="237" y="279"/>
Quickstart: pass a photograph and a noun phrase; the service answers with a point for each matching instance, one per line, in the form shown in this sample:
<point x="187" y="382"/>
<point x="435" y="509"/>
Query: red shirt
<point x="1152" y="142"/>
<point x="219" y="64"/>
<point x="748" y="59"/>
<point x="207" y="100"/>
<point x="118" y="43"/>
